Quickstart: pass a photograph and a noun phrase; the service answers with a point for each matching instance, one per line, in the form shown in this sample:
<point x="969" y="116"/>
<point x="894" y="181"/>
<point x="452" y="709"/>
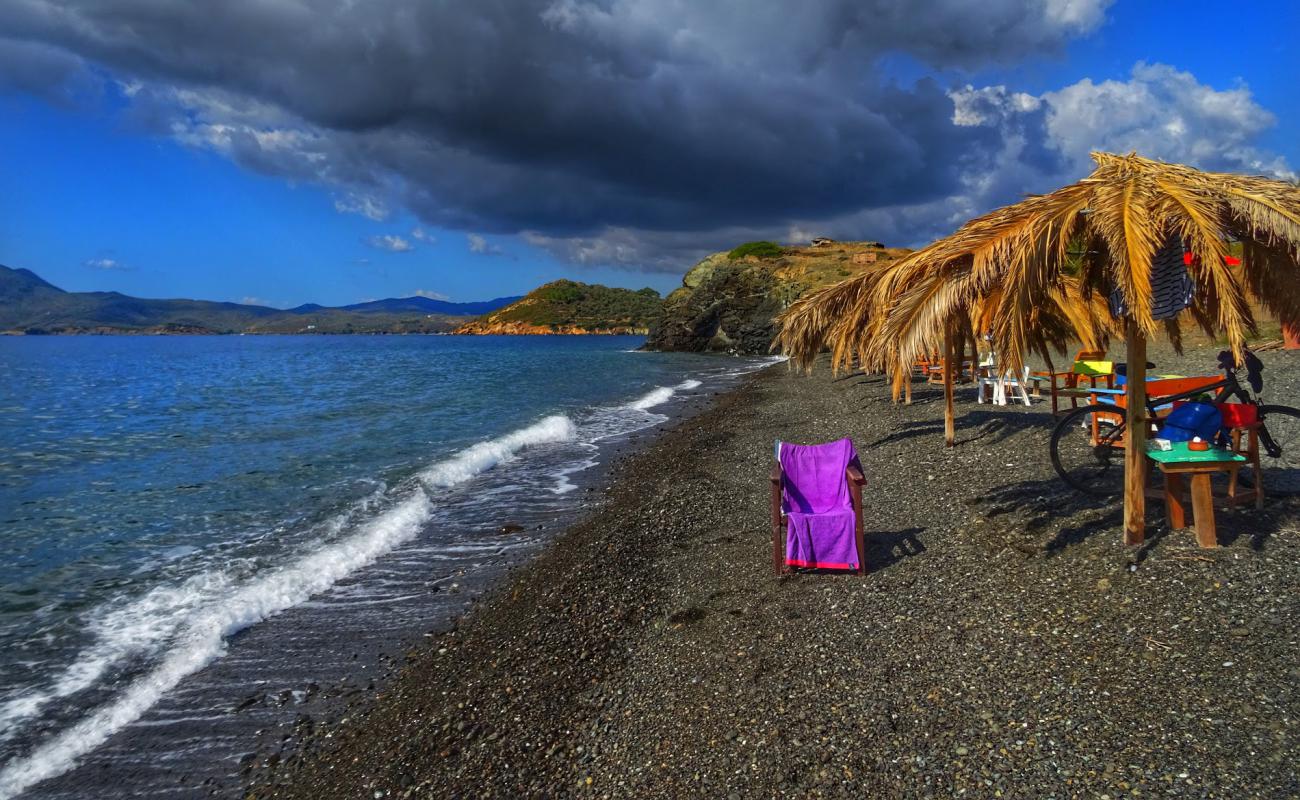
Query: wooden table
<point x="1199" y="465"/>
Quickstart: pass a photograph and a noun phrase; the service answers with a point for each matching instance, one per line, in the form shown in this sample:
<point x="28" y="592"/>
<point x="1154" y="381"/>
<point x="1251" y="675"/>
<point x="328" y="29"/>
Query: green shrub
<point x="561" y="292"/>
<point x="759" y="249"/>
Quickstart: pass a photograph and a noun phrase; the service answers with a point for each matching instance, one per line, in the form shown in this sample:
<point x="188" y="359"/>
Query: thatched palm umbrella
<point x="1038" y="272"/>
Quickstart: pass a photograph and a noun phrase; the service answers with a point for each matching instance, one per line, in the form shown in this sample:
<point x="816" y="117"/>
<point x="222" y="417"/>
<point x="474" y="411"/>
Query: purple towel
<point x="815" y="498"/>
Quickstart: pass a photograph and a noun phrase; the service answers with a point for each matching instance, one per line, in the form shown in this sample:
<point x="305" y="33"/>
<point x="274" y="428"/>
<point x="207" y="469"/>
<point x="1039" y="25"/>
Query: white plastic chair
<point x="985" y="378"/>
<point x="1018" y="384"/>
<point x="999" y="383"/>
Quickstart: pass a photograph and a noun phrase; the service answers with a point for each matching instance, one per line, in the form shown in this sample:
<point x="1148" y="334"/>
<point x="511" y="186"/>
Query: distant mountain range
<point x="29" y="304"/>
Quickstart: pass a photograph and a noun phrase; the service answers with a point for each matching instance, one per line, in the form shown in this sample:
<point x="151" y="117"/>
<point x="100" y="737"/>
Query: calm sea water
<point x="315" y="495"/>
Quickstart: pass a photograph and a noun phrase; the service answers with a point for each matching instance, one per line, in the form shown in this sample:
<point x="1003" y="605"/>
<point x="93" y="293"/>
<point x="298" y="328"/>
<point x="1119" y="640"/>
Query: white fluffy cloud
<point x="479" y="244"/>
<point x="363" y="205"/>
<point x="429" y="293"/>
<point x="390" y="242"/>
<point x="104" y="263"/>
<point x="1166" y="113"/>
<point x="1160" y="112"/>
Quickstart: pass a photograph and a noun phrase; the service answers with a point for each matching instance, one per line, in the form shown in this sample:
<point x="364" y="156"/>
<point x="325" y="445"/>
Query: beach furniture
<point x="1179" y="465"/>
<point x="994" y="384"/>
<point x="817" y="507"/>
<point x="1156" y="389"/>
<point x="1089" y="366"/>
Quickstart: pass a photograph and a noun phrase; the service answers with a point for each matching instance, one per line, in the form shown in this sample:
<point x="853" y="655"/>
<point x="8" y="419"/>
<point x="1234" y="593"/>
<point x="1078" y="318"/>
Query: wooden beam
<point x="968" y="334"/>
<point x="1135" y="439"/>
<point x="949" y="346"/>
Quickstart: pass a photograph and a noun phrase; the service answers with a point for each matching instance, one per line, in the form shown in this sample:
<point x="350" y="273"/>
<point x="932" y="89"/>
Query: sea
<point x="204" y="538"/>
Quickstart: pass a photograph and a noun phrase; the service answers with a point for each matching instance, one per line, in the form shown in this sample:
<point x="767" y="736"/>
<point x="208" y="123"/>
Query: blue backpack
<point x="1190" y="420"/>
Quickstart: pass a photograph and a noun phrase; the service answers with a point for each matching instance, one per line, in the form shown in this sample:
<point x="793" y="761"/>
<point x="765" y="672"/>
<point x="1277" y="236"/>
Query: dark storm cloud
<point x="46" y="72"/>
<point x="562" y="117"/>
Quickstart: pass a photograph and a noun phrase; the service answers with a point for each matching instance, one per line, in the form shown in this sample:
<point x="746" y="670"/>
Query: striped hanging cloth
<point x="1171" y="284"/>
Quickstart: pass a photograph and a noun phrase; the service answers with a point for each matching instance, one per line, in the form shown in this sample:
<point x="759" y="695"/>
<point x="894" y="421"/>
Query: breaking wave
<point x="188" y="625"/>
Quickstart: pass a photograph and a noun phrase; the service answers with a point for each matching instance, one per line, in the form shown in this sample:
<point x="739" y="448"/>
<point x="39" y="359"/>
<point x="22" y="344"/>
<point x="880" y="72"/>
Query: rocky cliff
<point x="571" y="308"/>
<point x="728" y="301"/>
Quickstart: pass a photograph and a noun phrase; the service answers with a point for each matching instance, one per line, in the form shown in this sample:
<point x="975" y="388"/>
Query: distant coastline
<point x="165" y="331"/>
<point x="30" y="305"/>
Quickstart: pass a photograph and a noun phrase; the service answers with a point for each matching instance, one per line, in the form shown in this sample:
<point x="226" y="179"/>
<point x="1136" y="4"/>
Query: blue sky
<point x="96" y="199"/>
<point x="82" y="189"/>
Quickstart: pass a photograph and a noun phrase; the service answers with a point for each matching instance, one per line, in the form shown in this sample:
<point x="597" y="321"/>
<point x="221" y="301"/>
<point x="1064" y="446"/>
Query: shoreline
<point x="1004" y="639"/>
<point x="290" y="669"/>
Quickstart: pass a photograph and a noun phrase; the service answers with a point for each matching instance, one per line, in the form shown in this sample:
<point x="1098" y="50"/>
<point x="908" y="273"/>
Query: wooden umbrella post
<point x="949" y="425"/>
<point x="1135" y="445"/>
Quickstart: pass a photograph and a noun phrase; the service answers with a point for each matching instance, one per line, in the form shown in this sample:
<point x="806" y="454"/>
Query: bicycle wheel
<point x="1088" y="450"/>
<point x="1281" y="430"/>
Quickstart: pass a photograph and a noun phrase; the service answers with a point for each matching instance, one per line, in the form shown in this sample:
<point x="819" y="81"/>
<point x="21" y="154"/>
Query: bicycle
<point x="1088" y="444"/>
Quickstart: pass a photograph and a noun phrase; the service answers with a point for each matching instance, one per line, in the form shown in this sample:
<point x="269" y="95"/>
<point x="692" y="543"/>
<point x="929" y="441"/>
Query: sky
<point x="289" y="151"/>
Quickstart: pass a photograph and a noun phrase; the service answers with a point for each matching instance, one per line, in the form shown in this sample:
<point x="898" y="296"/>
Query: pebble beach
<point x="1004" y="643"/>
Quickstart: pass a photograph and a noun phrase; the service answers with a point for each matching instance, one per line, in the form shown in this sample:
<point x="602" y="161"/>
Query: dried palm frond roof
<point x="1037" y="272"/>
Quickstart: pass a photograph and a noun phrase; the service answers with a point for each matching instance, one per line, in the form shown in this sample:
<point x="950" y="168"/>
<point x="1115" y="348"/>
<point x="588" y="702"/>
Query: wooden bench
<point x="1089" y="365"/>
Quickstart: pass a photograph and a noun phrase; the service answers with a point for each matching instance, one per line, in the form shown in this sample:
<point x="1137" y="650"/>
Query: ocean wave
<point x="483" y="456"/>
<point x="662" y="394"/>
<point x="204" y="629"/>
<point x="191" y="622"/>
<point x="654" y="397"/>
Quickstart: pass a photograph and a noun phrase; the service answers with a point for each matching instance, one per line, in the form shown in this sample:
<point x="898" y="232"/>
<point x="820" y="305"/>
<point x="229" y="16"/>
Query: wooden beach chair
<point x="818" y="484"/>
<point x="1089" y="366"/>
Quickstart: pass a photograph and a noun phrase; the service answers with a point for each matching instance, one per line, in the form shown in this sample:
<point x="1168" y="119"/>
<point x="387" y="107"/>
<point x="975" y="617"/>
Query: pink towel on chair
<point x="815" y="497"/>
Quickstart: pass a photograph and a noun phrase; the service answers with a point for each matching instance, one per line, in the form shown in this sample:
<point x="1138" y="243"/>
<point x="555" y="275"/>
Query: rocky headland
<point x="728" y="301"/>
<point x="571" y="308"/>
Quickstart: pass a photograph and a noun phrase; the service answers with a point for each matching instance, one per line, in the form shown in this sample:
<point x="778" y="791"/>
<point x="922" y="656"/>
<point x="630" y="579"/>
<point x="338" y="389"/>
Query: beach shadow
<point x="873" y="380"/>
<point x="886" y="548"/>
<point x="910" y="430"/>
<point x="1037" y="507"/>
<point x="1049" y="507"/>
<point x="973" y="426"/>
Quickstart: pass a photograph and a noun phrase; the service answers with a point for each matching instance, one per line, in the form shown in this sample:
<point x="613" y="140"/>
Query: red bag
<point x="1238" y="415"/>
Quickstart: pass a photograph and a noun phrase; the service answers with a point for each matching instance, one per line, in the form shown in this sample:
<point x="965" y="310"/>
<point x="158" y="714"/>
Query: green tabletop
<point x="1181" y="455"/>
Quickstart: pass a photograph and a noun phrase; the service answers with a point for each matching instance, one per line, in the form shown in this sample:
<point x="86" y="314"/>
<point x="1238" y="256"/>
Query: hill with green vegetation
<point x="570" y="307"/>
<point x="31" y="305"/>
<point x="728" y="301"/>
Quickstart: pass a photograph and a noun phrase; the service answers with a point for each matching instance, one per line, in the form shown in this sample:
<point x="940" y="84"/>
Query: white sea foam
<point x="662" y="394"/>
<point x="485" y="455"/>
<point x="204" y="628"/>
<point x="195" y="619"/>
<point x="655" y="397"/>
<point x="119" y="633"/>
<point x="562" y="483"/>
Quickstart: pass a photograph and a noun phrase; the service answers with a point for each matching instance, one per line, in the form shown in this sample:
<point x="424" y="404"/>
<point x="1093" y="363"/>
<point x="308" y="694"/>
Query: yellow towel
<point x="1097" y="368"/>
